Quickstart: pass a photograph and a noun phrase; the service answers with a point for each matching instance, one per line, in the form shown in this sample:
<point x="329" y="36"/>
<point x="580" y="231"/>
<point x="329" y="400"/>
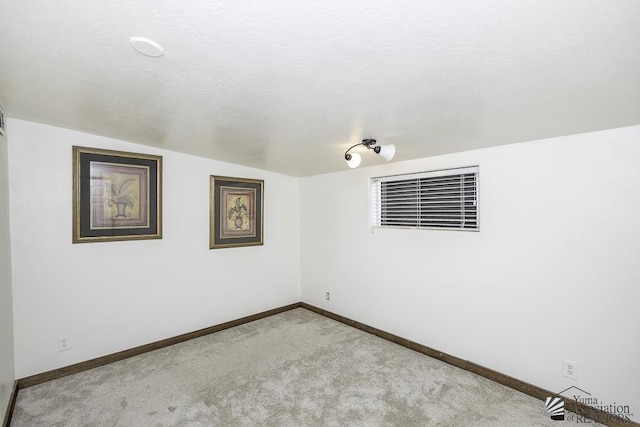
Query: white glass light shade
<point x="355" y="160"/>
<point x="387" y="151"/>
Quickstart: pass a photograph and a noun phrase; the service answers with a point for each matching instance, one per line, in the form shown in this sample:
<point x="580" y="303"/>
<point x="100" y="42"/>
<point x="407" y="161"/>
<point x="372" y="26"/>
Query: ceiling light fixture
<point x="146" y="46"/>
<point x="385" y="151"/>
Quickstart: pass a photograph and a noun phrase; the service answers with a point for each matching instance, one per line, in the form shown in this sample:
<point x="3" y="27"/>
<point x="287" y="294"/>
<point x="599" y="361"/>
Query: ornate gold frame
<point x="236" y="212"/>
<point x="105" y="184"/>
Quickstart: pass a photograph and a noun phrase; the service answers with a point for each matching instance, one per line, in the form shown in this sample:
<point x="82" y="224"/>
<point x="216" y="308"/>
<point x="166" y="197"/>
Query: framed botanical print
<point x="236" y="212"/>
<point x="116" y="195"/>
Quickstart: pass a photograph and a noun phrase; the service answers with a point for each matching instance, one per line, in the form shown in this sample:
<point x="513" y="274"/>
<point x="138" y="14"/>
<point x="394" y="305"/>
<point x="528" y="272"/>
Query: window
<point x="444" y="199"/>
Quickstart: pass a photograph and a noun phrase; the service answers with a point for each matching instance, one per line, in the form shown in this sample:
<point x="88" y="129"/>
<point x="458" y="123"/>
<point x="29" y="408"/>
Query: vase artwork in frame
<point x="236" y="212"/>
<point x="116" y="195"/>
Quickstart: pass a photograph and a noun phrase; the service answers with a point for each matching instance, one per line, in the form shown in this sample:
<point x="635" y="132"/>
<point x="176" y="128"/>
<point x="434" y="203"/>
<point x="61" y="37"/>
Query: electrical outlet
<point x="64" y="343"/>
<point x="570" y="369"/>
<point x="327" y="296"/>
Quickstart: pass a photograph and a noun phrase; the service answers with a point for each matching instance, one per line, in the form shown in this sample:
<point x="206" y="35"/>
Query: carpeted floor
<point x="293" y="369"/>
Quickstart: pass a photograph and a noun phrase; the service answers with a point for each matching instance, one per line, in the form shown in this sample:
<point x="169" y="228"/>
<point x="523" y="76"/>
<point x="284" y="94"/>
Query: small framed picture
<point x="236" y="212"/>
<point x="116" y="195"/>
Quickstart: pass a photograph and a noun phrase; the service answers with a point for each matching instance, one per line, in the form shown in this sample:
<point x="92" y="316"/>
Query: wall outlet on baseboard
<point x="64" y="343"/>
<point x="327" y="296"/>
<point x="570" y="369"/>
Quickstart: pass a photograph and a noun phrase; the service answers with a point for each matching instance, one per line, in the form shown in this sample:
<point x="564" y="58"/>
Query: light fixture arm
<point x="366" y="143"/>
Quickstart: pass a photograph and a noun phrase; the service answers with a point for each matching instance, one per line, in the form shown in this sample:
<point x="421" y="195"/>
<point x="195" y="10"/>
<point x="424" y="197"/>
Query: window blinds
<point x="444" y="199"/>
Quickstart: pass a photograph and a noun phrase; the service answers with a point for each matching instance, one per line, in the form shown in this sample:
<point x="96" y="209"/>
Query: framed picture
<point x="116" y="195"/>
<point x="236" y="206"/>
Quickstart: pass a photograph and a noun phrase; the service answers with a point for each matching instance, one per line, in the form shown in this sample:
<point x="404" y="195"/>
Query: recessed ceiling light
<point x="146" y="46"/>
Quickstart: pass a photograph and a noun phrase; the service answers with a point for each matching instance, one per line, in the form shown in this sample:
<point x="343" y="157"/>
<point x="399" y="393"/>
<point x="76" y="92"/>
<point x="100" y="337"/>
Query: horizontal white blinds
<point x="439" y="199"/>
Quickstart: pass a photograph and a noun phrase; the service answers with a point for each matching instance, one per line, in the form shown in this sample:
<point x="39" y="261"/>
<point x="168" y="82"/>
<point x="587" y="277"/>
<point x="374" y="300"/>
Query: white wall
<point x="553" y="273"/>
<point x="112" y="296"/>
<point x="6" y="306"/>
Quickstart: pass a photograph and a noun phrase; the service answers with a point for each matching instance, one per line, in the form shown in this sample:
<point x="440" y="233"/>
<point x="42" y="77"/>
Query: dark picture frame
<point x="117" y="195"/>
<point x="236" y="212"/>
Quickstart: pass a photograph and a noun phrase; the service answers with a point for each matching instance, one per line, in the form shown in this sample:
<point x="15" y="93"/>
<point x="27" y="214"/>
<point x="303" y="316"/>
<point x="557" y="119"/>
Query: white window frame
<point x="428" y="213"/>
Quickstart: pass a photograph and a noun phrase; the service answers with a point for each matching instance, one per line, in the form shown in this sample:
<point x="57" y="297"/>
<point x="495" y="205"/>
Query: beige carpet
<point x="293" y="369"/>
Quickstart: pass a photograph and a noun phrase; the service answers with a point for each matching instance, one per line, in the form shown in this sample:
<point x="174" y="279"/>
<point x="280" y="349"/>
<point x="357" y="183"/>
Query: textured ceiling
<point x="288" y="85"/>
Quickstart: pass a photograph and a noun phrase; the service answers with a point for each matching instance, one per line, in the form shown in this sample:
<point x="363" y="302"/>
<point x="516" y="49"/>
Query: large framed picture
<point x="116" y="195"/>
<point x="236" y="212"/>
